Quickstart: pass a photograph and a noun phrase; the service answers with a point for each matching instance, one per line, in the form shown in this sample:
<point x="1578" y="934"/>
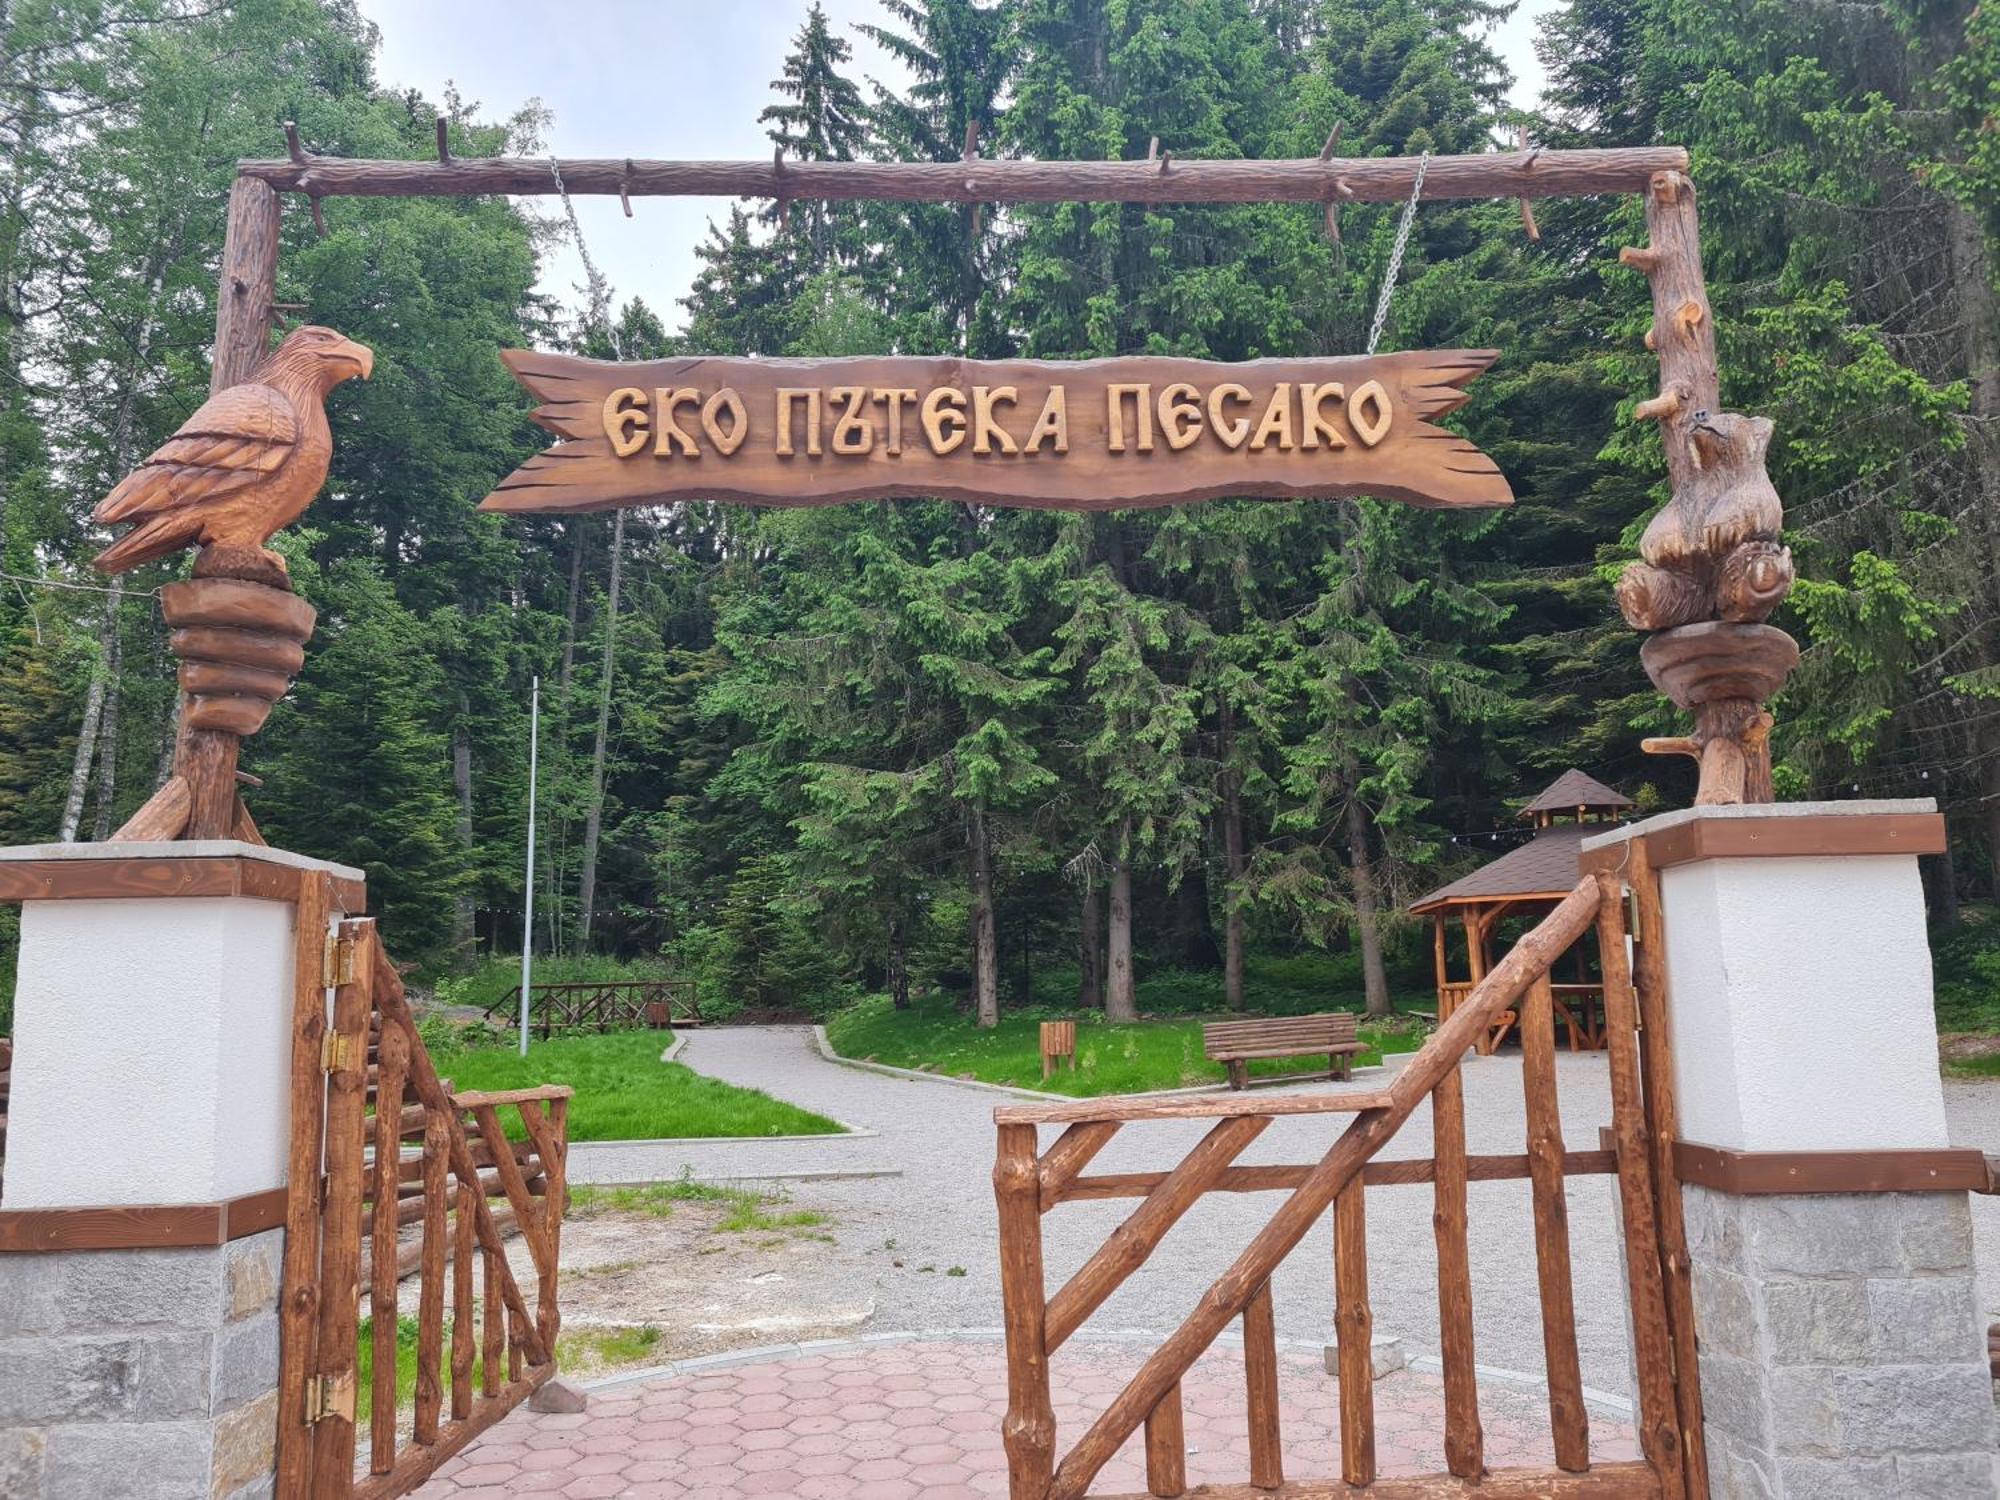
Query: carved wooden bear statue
<point x="1713" y="551"/>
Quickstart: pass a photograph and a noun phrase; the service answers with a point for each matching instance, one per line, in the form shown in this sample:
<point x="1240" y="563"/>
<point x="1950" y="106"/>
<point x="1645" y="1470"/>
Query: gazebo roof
<point x="1544" y="866"/>
<point x="1573" y="790"/>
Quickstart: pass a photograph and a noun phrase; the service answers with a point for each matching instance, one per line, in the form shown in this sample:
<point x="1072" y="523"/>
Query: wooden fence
<point x="609" y="1005"/>
<point x="363" y="1087"/>
<point x="1030" y="1181"/>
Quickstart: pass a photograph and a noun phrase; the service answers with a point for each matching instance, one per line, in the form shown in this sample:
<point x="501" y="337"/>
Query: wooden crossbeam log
<point x="1302" y="180"/>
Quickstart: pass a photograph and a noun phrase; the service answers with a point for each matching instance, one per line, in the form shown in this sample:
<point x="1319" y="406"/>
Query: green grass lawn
<point x="1966" y="963"/>
<point x="1110" y="1059"/>
<point x="624" y="1092"/>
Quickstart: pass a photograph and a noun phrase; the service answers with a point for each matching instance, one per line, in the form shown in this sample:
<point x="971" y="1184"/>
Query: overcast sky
<point x="647" y="78"/>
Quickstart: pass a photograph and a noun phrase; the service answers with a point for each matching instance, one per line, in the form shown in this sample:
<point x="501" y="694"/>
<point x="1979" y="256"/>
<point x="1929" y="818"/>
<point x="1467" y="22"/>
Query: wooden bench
<point x="1234" y="1043"/>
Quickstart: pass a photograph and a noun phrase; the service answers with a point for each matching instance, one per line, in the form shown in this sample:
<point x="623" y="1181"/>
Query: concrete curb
<point x="732" y="1179"/>
<point x="581" y="1152"/>
<point x="918" y="1075"/>
<point x="1602" y="1402"/>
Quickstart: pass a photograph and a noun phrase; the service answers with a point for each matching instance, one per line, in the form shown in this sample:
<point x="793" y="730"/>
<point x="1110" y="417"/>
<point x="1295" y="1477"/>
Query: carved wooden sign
<point x="1084" y="435"/>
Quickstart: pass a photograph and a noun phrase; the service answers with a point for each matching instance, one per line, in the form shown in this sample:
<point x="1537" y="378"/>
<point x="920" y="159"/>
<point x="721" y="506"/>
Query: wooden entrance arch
<point x="1712" y="571"/>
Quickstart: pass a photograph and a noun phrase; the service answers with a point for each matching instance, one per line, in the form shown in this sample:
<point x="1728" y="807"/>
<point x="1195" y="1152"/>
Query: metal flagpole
<point x="528" y="899"/>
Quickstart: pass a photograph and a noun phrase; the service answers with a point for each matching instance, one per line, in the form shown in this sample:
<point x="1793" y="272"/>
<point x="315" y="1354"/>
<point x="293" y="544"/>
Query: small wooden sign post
<point x="1081" y="435"/>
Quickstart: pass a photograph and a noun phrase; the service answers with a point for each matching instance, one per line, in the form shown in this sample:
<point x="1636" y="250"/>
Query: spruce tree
<point x="823" y="119"/>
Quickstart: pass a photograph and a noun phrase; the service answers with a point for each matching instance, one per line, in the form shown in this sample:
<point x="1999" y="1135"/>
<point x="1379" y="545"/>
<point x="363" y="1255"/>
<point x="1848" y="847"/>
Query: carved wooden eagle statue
<point x="241" y="468"/>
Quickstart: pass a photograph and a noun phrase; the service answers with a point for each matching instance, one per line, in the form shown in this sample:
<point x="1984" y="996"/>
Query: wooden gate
<point x="1030" y="1181"/>
<point x="403" y="1187"/>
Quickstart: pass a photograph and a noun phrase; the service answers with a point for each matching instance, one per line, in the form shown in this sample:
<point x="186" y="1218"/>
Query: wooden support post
<point x="1652" y="1344"/>
<point x="1438" y="961"/>
<point x="1260" y="1380"/>
<point x="298" y="1308"/>
<point x="461" y="1301"/>
<point x="1464" y="1439"/>
<point x="547" y="1315"/>
<point x="1166" y="1447"/>
<point x="1683" y="331"/>
<point x="1656" y="1055"/>
<point x="205" y="759"/>
<point x="395" y="1060"/>
<point x="1475" y="956"/>
<point x="1569" y="1419"/>
<point x="1029" y="1431"/>
<point x="249" y="283"/>
<point x="492" y="1322"/>
<point x="340" y="1224"/>
<point x="430" y="1290"/>
<point x="1354" y="1333"/>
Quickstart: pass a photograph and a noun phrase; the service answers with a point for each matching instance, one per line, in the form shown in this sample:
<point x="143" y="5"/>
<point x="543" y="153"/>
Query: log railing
<point x="408" y="1170"/>
<point x="607" y="1005"/>
<point x="1030" y="1181"/>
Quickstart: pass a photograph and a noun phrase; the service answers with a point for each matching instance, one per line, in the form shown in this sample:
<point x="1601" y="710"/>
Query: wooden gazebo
<point x="1528" y="881"/>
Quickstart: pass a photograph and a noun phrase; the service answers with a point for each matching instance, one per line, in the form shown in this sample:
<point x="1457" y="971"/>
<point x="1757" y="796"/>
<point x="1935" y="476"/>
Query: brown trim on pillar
<point x="1950" y="1170"/>
<point x="194" y="875"/>
<point x="140" y="1227"/>
<point x="1813" y="836"/>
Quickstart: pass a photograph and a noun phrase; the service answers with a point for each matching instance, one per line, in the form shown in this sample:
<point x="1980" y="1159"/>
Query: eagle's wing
<point x="239" y="437"/>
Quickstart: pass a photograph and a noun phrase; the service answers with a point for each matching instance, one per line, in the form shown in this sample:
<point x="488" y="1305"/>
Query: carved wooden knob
<point x="240" y="644"/>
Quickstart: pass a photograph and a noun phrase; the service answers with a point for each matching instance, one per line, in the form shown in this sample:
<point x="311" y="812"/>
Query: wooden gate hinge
<point x="336" y="1051"/>
<point x="330" y="1396"/>
<point x="337" y="963"/>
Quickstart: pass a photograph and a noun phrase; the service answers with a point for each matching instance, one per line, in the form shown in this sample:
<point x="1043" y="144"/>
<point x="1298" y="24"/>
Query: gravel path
<point x="923" y="1244"/>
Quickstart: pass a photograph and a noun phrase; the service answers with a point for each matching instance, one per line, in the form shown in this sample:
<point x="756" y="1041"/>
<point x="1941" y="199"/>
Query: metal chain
<point x="1396" y="255"/>
<point x="600" y="289"/>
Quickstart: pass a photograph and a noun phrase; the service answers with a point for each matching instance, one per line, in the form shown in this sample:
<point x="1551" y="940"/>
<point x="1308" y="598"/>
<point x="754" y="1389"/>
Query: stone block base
<point x="1842" y="1352"/>
<point x="140" y="1374"/>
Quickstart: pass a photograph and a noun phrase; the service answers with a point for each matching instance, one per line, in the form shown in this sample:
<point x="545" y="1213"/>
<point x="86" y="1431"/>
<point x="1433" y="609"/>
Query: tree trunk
<point x="461" y="784"/>
<point x="113" y="639"/>
<point x="1941" y="882"/>
<point x="899" y="965"/>
<point x="576" y="536"/>
<point x="169" y="732"/>
<point x="1121" y="996"/>
<point x="86" y="747"/>
<point x="1090" y="950"/>
<point x="593" y="821"/>
<point x="1367" y="918"/>
<point x="1232" y="891"/>
<point x="985" y="941"/>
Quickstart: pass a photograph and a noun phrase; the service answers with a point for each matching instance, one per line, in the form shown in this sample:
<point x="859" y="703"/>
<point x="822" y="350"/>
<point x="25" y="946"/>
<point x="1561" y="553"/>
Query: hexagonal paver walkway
<point x="921" y="1417"/>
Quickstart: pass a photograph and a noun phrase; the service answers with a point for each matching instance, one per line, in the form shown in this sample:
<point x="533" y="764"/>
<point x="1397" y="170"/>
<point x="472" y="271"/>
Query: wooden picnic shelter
<point x="1527" y="881"/>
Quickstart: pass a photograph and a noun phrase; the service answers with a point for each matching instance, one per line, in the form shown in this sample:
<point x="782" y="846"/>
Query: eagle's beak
<point x="359" y="355"/>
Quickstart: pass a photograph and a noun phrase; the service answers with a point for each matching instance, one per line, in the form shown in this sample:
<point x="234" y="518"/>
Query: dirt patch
<point x="1963" y="1046"/>
<point x="649" y="1277"/>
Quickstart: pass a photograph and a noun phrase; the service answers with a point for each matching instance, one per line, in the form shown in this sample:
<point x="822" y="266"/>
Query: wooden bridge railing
<point x="1029" y="1182"/>
<point x="601" y="1005"/>
<point x="482" y="1346"/>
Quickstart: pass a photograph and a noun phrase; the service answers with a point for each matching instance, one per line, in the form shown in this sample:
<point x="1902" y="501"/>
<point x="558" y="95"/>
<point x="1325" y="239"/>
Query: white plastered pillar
<point x="1840" y="1347"/>
<point x="141" y="1205"/>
